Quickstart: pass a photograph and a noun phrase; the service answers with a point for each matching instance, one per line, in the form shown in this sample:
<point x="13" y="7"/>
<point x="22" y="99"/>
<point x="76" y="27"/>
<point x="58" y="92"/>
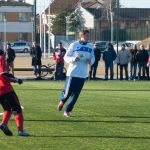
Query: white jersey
<point x="79" y="68"/>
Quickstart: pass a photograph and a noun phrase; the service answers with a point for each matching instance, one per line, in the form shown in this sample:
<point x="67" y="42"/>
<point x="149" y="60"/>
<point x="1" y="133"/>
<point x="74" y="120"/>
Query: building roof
<point x="124" y="13"/>
<point x="90" y="3"/>
<point x="13" y="3"/>
<point x="135" y="13"/>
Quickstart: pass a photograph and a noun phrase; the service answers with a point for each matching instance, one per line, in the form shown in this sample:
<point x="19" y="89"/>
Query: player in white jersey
<point x="79" y="55"/>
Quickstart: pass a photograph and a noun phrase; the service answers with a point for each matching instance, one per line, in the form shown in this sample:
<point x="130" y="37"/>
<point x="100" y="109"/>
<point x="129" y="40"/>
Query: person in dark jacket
<point x="59" y="59"/>
<point x="109" y="56"/>
<point x="142" y="57"/>
<point x="133" y="63"/>
<point x="36" y="54"/>
<point x="10" y="57"/>
<point x="93" y="69"/>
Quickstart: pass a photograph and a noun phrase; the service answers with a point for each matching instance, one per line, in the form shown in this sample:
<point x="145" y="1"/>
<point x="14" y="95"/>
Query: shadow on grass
<point x="86" y="121"/>
<point x="88" y="136"/>
<point x="140" y="117"/>
<point x="97" y="90"/>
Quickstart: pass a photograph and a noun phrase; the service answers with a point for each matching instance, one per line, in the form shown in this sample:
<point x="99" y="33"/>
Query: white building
<point x="16" y="21"/>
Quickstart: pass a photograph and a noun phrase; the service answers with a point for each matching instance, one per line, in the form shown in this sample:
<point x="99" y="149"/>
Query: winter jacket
<point x="134" y="55"/>
<point x="109" y="55"/>
<point x="97" y="54"/>
<point x="124" y="57"/>
<point x="10" y="55"/>
<point x="142" y="55"/>
<point x="36" y="54"/>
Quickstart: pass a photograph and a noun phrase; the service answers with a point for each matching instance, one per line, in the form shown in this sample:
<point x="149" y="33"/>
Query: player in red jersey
<point x="9" y="99"/>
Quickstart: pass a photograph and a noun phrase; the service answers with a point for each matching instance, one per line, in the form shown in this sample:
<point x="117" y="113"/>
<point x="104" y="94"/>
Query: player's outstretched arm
<point x="10" y="78"/>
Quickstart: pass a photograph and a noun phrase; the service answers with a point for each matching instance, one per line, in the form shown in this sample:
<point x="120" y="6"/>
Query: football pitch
<point x="109" y="115"/>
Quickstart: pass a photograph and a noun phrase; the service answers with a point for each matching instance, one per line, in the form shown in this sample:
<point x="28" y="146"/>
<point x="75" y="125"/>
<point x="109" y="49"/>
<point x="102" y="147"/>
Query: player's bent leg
<point x="66" y="92"/>
<point x="75" y="93"/>
<point x="6" y="116"/>
<point x="17" y="111"/>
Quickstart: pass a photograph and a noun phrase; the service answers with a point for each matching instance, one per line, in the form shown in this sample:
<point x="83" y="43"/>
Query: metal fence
<point x="129" y="21"/>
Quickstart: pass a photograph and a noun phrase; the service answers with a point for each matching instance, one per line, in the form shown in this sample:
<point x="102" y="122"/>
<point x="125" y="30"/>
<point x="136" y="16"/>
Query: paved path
<point x="24" y="61"/>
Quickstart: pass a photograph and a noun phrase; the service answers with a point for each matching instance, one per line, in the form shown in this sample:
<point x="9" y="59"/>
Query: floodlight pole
<point x="117" y="30"/>
<point x="35" y="20"/>
<point x="32" y="21"/>
<point x="5" y="34"/>
<point x="67" y="27"/>
<point x="111" y="23"/>
<point x="49" y="28"/>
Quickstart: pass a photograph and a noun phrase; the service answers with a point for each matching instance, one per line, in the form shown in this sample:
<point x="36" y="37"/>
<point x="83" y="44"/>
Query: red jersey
<point x="5" y="86"/>
<point x="59" y="55"/>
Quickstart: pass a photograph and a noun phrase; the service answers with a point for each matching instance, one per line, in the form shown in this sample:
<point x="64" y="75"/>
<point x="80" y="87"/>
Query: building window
<point x="2" y="16"/>
<point x="23" y="17"/>
<point x="23" y="36"/>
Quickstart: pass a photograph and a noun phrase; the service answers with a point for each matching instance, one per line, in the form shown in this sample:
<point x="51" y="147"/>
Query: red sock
<point x="6" y="117"/>
<point x="19" y="121"/>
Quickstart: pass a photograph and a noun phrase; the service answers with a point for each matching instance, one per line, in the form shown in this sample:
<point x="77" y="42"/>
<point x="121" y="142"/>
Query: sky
<point x="136" y="3"/>
<point x="124" y="3"/>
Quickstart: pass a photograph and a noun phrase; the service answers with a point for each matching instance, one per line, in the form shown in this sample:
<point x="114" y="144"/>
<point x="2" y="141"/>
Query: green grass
<point x="109" y="115"/>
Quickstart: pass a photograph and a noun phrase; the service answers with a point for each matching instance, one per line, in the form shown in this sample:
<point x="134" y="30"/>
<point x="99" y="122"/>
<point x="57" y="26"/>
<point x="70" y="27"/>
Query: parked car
<point x="21" y="46"/>
<point x="127" y="44"/>
<point x="101" y="45"/>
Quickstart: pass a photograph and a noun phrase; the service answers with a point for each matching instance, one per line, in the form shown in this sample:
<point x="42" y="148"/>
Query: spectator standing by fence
<point x="59" y="60"/>
<point x="36" y="54"/>
<point x="109" y="56"/>
<point x="123" y="58"/>
<point x="133" y="63"/>
<point x="142" y="57"/>
<point x="147" y="67"/>
<point x="10" y="57"/>
<point x="93" y="68"/>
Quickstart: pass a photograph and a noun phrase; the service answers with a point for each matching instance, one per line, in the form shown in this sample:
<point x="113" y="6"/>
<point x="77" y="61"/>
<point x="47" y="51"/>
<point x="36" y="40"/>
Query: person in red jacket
<point x="9" y="99"/>
<point x="148" y="62"/>
<point x="59" y="59"/>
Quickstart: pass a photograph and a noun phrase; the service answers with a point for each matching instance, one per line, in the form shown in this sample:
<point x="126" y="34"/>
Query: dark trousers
<point x="125" y="66"/>
<point x="147" y="72"/>
<point x="93" y="69"/>
<point x="141" y="68"/>
<point x="37" y="70"/>
<point x="72" y="89"/>
<point x="107" y="66"/>
<point x="59" y="71"/>
<point x="133" y="68"/>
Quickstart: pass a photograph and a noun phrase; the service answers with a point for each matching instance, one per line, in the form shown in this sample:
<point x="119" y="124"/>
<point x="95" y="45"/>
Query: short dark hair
<point x="60" y="43"/>
<point x="8" y="44"/>
<point x="83" y="32"/>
